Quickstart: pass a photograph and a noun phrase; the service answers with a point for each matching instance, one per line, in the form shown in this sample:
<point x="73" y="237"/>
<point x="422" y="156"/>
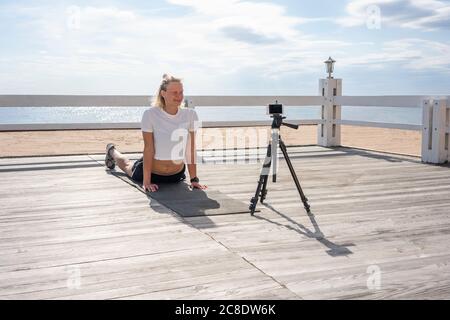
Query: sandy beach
<point x="39" y="143"/>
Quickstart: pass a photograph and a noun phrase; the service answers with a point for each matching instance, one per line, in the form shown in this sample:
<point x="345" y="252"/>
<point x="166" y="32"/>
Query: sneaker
<point x="109" y="160"/>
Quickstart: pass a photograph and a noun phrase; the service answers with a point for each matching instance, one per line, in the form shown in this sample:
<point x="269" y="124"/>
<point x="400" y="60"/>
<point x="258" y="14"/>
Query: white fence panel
<point x="384" y="101"/>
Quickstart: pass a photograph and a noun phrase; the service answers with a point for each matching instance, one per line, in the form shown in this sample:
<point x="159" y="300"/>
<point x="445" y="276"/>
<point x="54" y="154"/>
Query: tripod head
<point x="276" y="112"/>
<point x="278" y="122"/>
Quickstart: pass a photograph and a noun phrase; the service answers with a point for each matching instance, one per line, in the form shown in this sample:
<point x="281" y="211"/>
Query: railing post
<point x="329" y="133"/>
<point x="447" y="129"/>
<point x="434" y="132"/>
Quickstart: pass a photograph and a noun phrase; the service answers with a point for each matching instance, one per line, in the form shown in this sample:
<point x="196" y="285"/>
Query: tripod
<point x="271" y="158"/>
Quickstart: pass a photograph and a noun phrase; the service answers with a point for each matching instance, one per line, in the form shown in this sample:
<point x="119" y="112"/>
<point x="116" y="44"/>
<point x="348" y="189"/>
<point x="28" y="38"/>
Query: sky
<point x="224" y="47"/>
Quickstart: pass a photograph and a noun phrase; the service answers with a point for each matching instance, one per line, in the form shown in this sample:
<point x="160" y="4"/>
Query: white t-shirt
<point x="170" y="132"/>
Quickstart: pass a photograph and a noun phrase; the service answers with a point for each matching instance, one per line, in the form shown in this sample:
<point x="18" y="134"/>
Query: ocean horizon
<point x="35" y="115"/>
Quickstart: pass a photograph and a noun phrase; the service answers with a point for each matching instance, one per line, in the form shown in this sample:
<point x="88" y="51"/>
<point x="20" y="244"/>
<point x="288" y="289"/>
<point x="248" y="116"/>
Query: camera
<point x="275" y="108"/>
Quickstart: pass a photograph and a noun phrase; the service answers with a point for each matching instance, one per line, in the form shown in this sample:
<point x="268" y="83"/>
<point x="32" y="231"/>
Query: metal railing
<point x="203" y="101"/>
<point x="325" y="101"/>
<point x="138" y="101"/>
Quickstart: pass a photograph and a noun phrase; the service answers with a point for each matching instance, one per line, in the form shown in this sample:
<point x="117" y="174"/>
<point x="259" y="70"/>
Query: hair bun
<point x="165" y="76"/>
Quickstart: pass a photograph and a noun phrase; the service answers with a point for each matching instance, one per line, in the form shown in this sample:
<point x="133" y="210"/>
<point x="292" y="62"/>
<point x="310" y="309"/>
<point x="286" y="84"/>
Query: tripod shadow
<point x="335" y="250"/>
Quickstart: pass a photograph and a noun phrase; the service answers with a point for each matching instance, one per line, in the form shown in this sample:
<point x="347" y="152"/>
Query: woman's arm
<point x="192" y="160"/>
<point x="190" y="155"/>
<point x="149" y="153"/>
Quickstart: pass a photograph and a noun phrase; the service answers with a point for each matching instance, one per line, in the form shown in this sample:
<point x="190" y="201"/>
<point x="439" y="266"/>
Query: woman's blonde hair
<point x="158" y="100"/>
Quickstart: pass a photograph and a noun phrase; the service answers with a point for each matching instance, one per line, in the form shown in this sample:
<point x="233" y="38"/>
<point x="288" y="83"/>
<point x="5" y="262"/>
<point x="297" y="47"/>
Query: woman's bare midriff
<point x="167" y="167"/>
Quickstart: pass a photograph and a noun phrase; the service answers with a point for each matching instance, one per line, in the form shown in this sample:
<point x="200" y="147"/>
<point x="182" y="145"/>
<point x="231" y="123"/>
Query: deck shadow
<point x="46" y="168"/>
<point x="373" y="154"/>
<point x="315" y="154"/>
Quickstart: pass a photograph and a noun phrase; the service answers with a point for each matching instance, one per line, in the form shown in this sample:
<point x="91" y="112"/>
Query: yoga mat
<point x="187" y="202"/>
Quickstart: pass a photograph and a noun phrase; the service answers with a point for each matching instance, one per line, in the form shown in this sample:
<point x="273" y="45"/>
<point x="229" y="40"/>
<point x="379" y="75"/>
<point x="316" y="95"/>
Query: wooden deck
<point x="70" y="230"/>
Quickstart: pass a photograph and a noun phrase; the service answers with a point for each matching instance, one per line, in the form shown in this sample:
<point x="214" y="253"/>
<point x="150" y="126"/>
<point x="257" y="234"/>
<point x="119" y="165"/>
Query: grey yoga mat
<point x="188" y="202"/>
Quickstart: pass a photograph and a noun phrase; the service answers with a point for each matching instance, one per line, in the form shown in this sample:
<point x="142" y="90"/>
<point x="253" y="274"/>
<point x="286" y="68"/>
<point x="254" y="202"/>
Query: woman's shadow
<point x="185" y="201"/>
<point x="335" y="250"/>
<point x="179" y="198"/>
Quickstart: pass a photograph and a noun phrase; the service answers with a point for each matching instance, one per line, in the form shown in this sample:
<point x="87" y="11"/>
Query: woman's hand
<point x="196" y="185"/>
<point x="148" y="186"/>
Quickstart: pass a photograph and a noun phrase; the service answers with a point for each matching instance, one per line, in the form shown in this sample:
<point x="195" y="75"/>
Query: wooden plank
<point x="128" y="100"/>
<point x="402" y="126"/>
<point x="385" y="101"/>
<point x="137" y="125"/>
<point x="369" y="209"/>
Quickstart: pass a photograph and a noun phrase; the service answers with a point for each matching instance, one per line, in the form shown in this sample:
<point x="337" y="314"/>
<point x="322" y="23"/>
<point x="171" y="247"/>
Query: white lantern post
<point x="435" y="141"/>
<point x="329" y="132"/>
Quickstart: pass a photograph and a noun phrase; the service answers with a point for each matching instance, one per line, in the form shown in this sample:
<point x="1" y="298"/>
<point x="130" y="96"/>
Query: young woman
<point x="168" y="130"/>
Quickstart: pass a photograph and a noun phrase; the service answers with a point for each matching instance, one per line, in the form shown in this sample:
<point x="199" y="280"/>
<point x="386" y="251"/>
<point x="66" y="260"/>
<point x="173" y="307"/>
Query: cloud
<point x="248" y="35"/>
<point x="410" y="54"/>
<point x="214" y="39"/>
<point x="217" y="45"/>
<point x="427" y="15"/>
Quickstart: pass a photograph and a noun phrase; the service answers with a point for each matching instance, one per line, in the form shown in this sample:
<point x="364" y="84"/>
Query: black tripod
<point x="271" y="158"/>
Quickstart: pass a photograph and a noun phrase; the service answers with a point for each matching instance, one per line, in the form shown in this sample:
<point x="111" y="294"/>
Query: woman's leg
<point x="122" y="161"/>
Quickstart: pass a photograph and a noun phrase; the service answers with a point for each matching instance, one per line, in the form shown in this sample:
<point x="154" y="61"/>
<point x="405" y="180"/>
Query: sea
<point x="34" y="115"/>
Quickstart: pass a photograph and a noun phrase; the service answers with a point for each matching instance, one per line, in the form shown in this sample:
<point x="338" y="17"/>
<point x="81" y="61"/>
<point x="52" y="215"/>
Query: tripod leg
<point x="261" y="183"/>
<point x="274" y="157"/>
<point x="294" y="176"/>
<point x="264" y="189"/>
<point x="266" y="167"/>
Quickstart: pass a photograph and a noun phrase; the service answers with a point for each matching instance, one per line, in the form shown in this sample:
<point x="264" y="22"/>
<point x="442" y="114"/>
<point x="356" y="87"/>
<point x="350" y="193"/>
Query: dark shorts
<point x="138" y="174"/>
